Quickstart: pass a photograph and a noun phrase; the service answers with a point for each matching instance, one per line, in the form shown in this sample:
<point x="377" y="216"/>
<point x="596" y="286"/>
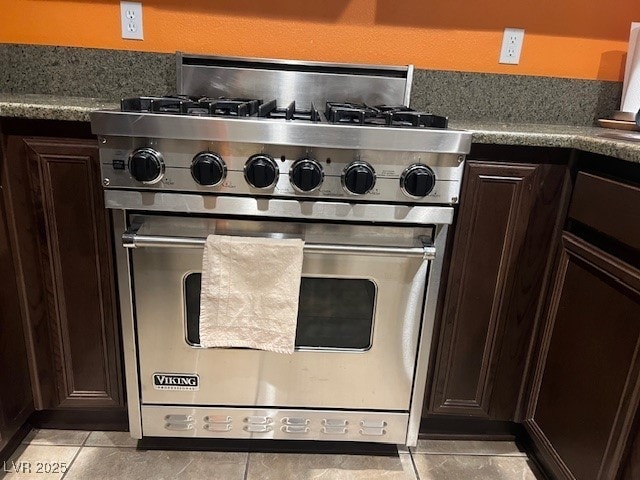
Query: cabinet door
<point x="587" y="385"/>
<point x="16" y="401"/>
<point x="508" y="213"/>
<point x="80" y="338"/>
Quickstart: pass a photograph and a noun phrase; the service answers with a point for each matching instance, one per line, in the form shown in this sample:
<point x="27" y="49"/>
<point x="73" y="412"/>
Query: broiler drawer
<point x="608" y="206"/>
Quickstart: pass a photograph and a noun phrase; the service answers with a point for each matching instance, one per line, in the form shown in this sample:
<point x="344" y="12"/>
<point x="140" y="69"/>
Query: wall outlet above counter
<point x="511" y="46"/>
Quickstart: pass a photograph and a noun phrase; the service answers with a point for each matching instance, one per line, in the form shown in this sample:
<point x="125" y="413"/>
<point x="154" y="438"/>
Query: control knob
<point x="261" y="171"/>
<point x="306" y="175"/>
<point x="417" y="180"/>
<point x="208" y="169"/>
<point x="358" y="178"/>
<point x="146" y="165"/>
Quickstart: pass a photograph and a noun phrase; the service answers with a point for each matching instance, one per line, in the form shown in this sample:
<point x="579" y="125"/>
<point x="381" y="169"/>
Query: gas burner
<point x="271" y="110"/>
<point x="405" y="117"/>
<point x="190" y="105"/>
<point x="169" y="104"/>
<point x="387" y="115"/>
<point x="350" y="113"/>
<point x="231" y="107"/>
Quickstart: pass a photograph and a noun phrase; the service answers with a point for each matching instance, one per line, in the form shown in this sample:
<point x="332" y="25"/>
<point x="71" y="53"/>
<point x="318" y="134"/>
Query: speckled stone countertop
<point x="51" y="107"/>
<point x="589" y="139"/>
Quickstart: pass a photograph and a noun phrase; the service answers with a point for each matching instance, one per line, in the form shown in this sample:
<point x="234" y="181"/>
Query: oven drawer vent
<point x="334" y="430"/>
<point x="217" y="427"/>
<point x="373" y="428"/>
<point x="373" y="423"/>
<point x="258" y="420"/>
<point x="335" y="422"/>
<point x="176" y="422"/>
<point x="258" y="424"/>
<point x="295" y="429"/>
<point x="226" y="419"/>
<point x="296" y="421"/>
<point x="218" y="422"/>
<point x="257" y="428"/>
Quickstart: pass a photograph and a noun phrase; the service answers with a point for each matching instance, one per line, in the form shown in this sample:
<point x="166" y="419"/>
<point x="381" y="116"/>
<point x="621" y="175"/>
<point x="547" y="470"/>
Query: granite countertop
<point x="589" y="139"/>
<point x="52" y="107"/>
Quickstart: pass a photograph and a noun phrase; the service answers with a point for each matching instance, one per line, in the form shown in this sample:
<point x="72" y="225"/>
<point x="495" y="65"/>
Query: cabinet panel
<point x="63" y="242"/>
<point x="587" y="389"/>
<point x="610" y="207"/>
<point x="16" y="400"/>
<point x="66" y="185"/>
<point x="507" y="216"/>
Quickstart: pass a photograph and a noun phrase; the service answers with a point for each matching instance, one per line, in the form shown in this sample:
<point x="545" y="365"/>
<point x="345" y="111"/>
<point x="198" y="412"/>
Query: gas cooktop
<point x="344" y="113"/>
<point x="264" y="128"/>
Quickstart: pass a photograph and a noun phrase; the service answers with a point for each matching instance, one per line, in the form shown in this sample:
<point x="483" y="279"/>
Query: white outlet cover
<point x="511" y="46"/>
<point x="131" y="20"/>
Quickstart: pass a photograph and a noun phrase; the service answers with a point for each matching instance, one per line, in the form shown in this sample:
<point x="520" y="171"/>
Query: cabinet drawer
<point x="607" y="206"/>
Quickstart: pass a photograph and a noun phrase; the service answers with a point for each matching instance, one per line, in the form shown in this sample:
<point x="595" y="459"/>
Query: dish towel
<point x="249" y="294"/>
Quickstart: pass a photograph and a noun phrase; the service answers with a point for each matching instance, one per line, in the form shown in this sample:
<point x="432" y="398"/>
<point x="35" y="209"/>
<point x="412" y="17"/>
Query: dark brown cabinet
<point x="16" y="402"/>
<point x="508" y="214"/>
<point x="585" y="395"/>
<point x="61" y="232"/>
<point x="587" y="389"/>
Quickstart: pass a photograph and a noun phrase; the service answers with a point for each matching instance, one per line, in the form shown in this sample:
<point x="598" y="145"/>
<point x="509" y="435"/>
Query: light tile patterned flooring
<point x="113" y="455"/>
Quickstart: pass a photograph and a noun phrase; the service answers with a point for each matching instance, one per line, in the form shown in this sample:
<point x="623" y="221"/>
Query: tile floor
<point x="113" y="455"/>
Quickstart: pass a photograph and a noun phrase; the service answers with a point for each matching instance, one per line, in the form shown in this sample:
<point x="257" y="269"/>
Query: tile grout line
<point x="246" y="467"/>
<point x="415" y="468"/>
<point x="110" y="446"/>
<point x="471" y="454"/>
<point x="76" y="456"/>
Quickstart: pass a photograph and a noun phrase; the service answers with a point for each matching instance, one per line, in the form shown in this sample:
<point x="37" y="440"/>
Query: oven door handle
<point x="427" y="251"/>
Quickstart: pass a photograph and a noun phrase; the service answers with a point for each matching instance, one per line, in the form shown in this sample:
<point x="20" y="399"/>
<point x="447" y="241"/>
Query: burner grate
<point x="290" y="112"/>
<point x="184" y="105"/>
<point x="387" y="115"/>
<point x="345" y="113"/>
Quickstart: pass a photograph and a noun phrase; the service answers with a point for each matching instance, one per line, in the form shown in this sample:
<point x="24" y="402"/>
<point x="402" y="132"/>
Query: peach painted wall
<point x="564" y="38"/>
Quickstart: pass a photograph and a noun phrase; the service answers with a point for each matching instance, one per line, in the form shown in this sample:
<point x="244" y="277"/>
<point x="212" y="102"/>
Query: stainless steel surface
<point x="388" y="239"/>
<point x="407" y="92"/>
<point x="139" y="241"/>
<point x="178" y="157"/>
<point x="279" y="132"/>
<point x="319" y="424"/>
<point x="311" y="232"/>
<point x="130" y="348"/>
<point x="277" y="208"/>
<point x="426" y="335"/>
<point x="290" y="80"/>
<point x="347" y="379"/>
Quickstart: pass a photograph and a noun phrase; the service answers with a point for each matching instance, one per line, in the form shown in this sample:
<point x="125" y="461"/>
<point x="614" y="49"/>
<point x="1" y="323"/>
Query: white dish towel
<point x="249" y="294"/>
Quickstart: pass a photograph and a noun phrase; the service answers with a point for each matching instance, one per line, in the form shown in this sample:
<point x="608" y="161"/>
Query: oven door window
<point x="333" y="313"/>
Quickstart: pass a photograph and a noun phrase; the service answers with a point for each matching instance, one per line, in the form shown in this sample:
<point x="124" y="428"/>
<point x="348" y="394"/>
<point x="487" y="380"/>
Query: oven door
<point x="360" y="310"/>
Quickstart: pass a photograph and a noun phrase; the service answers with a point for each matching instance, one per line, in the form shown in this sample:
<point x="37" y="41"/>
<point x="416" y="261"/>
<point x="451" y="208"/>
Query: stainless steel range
<point x="322" y="152"/>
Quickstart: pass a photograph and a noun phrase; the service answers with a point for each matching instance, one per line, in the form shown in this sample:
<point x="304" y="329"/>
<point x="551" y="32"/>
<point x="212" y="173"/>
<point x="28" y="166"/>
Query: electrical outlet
<point x="131" y="20"/>
<point x="511" y="46"/>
